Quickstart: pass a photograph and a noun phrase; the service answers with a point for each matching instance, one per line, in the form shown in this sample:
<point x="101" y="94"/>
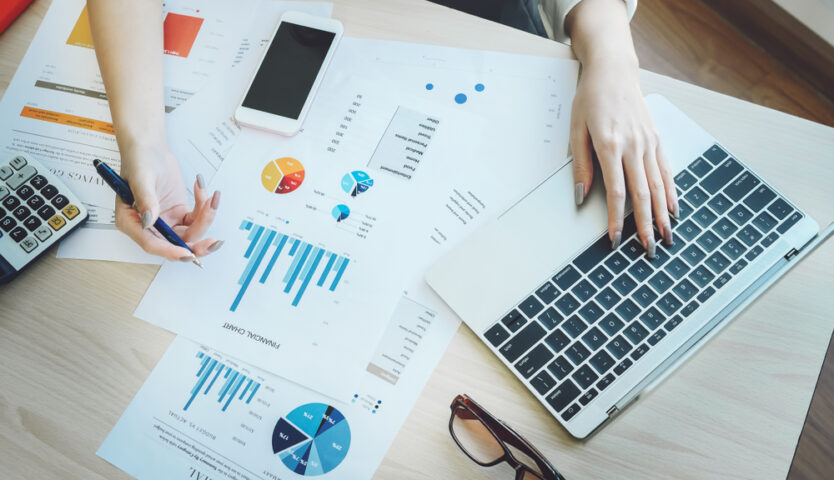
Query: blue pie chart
<point x="312" y="440"/>
<point x="340" y="212"/>
<point x="356" y="182"/>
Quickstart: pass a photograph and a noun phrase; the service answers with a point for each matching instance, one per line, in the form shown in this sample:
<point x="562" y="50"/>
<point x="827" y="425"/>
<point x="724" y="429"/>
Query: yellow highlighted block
<point x="81" y="36"/>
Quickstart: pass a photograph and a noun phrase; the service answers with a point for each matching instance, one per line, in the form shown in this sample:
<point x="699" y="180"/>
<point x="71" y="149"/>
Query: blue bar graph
<point x="308" y="261"/>
<point x="211" y="368"/>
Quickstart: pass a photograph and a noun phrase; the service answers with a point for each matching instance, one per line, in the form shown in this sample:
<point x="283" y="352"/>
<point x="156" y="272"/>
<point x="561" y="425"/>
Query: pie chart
<point x="340" y="212"/>
<point x="312" y="440"/>
<point x="282" y="175"/>
<point x="356" y="182"/>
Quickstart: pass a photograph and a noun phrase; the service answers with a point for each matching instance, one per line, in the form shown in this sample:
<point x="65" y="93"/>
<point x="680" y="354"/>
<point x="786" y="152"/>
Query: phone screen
<point x="288" y="70"/>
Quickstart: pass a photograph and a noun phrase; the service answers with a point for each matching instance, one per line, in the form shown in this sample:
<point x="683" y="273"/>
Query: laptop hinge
<point x="794" y="252"/>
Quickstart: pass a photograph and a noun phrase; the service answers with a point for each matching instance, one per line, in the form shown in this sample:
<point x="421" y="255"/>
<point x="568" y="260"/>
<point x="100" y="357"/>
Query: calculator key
<point x="522" y="341"/>
<point x="759" y="198"/>
<point x="605" y="381"/>
<point x="49" y="191"/>
<point x="749" y="235"/>
<point x="25" y="191"/>
<point x="618" y="346"/>
<point x="607" y="298"/>
<point x="43" y="232"/>
<point x="57" y="222"/>
<point x="534" y="361"/>
<point x="71" y="211"/>
<point x="28" y="244"/>
<point x="740" y="215"/>
<point x="570" y="412"/>
<point x="611" y="324"/>
<point x="46" y="212"/>
<point x="725" y="228"/>
<point x="672" y="323"/>
<point x="7" y="223"/>
<point x="21" y="176"/>
<point x="512" y="319"/>
<point x="21" y="212"/>
<point x="600" y="276"/>
<point x="685" y="180"/>
<point x="547" y="293"/>
<point x="693" y="255"/>
<point x="733" y="248"/>
<point x="764" y="222"/>
<point x="685" y="290"/>
<point x="557" y="341"/>
<point x="18" y="162"/>
<point x="780" y="209"/>
<point x="567" y="304"/>
<point x="669" y="304"/>
<point x="18" y="234"/>
<point x="496" y="334"/>
<point x="789" y="222"/>
<point x="627" y="310"/>
<point x="588" y="396"/>
<point x="574" y="326"/>
<point x="700" y="167"/>
<point x="715" y="155"/>
<point x="543" y="382"/>
<point x="551" y="318"/>
<point x="704" y="217"/>
<point x="719" y="204"/>
<point x="660" y="282"/>
<point x="689" y="230"/>
<point x="652" y="318"/>
<point x="38" y="181"/>
<point x="737" y="189"/>
<point x="701" y="276"/>
<point x="531" y="306"/>
<point x="577" y="353"/>
<point x="563" y="395"/>
<point x="641" y="270"/>
<point x="616" y="263"/>
<point x="36" y="202"/>
<point x="709" y="241"/>
<point x="696" y="197"/>
<point x="6" y="172"/>
<point x="585" y="377"/>
<point x="566" y="277"/>
<point x="583" y="290"/>
<point x="594" y="339"/>
<point x="10" y="203"/>
<point x="60" y="201"/>
<point x="623" y="366"/>
<point x="602" y="361"/>
<point x="644" y="296"/>
<point x="560" y="368"/>
<point x="32" y="223"/>
<point x="4" y="192"/>
<point x="722" y="175"/>
<point x="717" y="262"/>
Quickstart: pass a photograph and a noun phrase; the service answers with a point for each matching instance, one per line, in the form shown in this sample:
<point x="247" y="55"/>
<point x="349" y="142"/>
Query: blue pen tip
<point x="96" y="162"/>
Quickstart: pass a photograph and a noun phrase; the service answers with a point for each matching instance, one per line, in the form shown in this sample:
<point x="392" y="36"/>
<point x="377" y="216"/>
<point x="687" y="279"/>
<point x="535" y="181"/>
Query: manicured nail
<point x="186" y="259"/>
<point x="215" y="246"/>
<point x="146" y="219"/>
<point x="650" y="248"/>
<point x="579" y="193"/>
<point x="668" y="239"/>
<point x="201" y="181"/>
<point x="677" y="211"/>
<point x="215" y="200"/>
<point x="618" y="237"/>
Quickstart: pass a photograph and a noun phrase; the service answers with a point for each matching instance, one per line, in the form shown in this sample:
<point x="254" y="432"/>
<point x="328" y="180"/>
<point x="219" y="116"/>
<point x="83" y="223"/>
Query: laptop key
<point x="607" y="298"/>
<point x="603" y="383"/>
<point x="512" y="318"/>
<point x="685" y="180"/>
<point x="652" y="318"/>
<point x="593" y="255"/>
<point x="669" y="304"/>
<point x="754" y="252"/>
<point x="722" y="280"/>
<point x="661" y="282"/>
<point x="700" y="167"/>
<point x="547" y="293"/>
<point x="721" y="176"/>
<point x="560" y="368"/>
<point x="583" y="290"/>
<point x="618" y="346"/>
<point x="574" y="326"/>
<point x="760" y="197"/>
<point x="765" y="222"/>
<point x="635" y="332"/>
<point x="496" y="335"/>
<point x="594" y="339"/>
<point x="688" y="230"/>
<point x="738" y="266"/>
<point x="715" y="155"/>
<point x="611" y="324"/>
<point x="656" y="337"/>
<point x="701" y="276"/>
<point x="704" y="217"/>
<point x="550" y="318"/>
<point x="738" y="188"/>
<point x="543" y="382"/>
<point x="644" y="296"/>
<point x="627" y="310"/>
<point x="780" y="209"/>
<point x="600" y="276"/>
<point x="522" y="341"/>
<point x="717" y="262"/>
<point x="696" y="197"/>
<point x="740" y="214"/>
<point x="719" y="204"/>
<point x="565" y="393"/>
<point x="577" y="353"/>
<point x="689" y="309"/>
<point x="566" y="277"/>
<point x="570" y="412"/>
<point x="768" y="240"/>
<point x="623" y="366"/>
<point x="749" y="235"/>
<point x="677" y="268"/>
<point x="616" y="263"/>
<point x="725" y="228"/>
<point x="533" y="361"/>
<point x="672" y="323"/>
<point x="591" y="312"/>
<point x="685" y="290"/>
<point x="602" y="361"/>
<point x="685" y="209"/>
<point x="789" y="222"/>
<point x="639" y="352"/>
<point x="660" y="257"/>
<point x="641" y="270"/>
<point x="531" y="306"/>
<point x="705" y="294"/>
<point x="693" y="255"/>
<point x="567" y="304"/>
<point x="585" y="376"/>
<point x="709" y="241"/>
<point x="632" y="249"/>
<point x="588" y="396"/>
<point x="557" y="341"/>
<point x="733" y="248"/>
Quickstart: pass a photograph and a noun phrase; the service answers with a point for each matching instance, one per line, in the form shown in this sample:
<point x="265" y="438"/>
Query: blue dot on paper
<point x="460" y="99"/>
<point x="429" y="86"/>
<point x="479" y="87"/>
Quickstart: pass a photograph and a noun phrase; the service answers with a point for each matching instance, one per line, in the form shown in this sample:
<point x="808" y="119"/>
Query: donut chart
<point x="312" y="440"/>
<point x="282" y="175"/>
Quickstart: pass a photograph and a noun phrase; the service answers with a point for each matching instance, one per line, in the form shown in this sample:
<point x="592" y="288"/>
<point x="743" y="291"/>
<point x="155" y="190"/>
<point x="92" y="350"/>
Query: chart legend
<point x="235" y="385"/>
<point x="180" y="34"/>
<point x="282" y="175"/>
<point x="312" y="440"/>
<point x="309" y="262"/>
<point x="356" y="182"/>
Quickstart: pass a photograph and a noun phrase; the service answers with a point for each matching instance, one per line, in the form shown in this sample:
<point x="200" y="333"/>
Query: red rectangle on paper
<point x="180" y="33"/>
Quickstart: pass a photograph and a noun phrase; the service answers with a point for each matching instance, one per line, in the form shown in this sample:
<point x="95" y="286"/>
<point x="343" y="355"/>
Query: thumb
<point x="145" y="200"/>
<point x="583" y="167"/>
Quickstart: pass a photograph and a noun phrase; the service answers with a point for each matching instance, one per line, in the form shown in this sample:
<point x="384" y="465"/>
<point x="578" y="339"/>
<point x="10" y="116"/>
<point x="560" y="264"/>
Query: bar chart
<point x="214" y="372"/>
<point x="308" y="262"/>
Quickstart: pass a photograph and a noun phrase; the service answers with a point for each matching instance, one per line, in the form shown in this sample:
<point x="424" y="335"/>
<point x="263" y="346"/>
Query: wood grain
<point x="72" y="356"/>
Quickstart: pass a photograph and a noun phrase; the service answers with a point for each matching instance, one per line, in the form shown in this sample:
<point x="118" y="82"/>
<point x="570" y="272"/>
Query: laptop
<point x="585" y="328"/>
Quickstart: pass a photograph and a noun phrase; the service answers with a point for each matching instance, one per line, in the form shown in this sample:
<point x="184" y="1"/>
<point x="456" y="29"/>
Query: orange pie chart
<point x="282" y="175"/>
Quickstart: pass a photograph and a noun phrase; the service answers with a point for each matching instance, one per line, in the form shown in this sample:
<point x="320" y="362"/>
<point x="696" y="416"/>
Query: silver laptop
<point x="585" y="328"/>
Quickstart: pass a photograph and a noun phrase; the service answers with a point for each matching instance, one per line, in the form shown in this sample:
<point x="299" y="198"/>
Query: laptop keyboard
<point x="597" y="316"/>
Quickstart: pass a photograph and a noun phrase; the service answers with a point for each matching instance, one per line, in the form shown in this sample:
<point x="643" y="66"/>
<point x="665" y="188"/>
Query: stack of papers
<point x="306" y="340"/>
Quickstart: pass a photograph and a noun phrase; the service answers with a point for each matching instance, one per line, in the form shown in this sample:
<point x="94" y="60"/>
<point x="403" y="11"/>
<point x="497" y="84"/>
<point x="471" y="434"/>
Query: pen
<point x="122" y="189"/>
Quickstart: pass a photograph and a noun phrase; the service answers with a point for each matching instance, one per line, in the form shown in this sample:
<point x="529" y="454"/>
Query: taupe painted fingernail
<point x="651" y="248"/>
<point x="579" y="193"/>
<point x="215" y="200"/>
<point x="668" y="239"/>
<point x="146" y="219"/>
<point x="186" y="259"/>
<point x="677" y="212"/>
<point x="215" y="246"/>
<point x="618" y="237"/>
<point x="201" y="181"/>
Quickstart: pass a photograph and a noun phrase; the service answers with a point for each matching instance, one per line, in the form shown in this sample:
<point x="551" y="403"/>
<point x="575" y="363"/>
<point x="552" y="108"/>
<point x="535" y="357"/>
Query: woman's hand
<point x="611" y="120"/>
<point x="155" y="179"/>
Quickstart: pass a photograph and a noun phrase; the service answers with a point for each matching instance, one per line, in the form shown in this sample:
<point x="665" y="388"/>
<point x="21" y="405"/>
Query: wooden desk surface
<point x="734" y="410"/>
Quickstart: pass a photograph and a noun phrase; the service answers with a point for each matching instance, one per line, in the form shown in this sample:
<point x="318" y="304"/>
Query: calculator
<point x="36" y="210"/>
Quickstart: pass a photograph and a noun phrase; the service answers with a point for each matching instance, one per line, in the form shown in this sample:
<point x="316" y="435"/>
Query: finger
<point x="611" y="164"/>
<point x="199" y="199"/>
<point x="641" y="200"/>
<point x="658" y="193"/>
<point x="128" y="221"/>
<point x="203" y="220"/>
<point x="206" y="246"/>
<point x="668" y="182"/>
<point x="583" y="166"/>
<point x="145" y="199"/>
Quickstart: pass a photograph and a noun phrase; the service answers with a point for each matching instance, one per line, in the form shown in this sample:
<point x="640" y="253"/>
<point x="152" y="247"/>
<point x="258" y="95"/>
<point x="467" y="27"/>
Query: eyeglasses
<point x="488" y="441"/>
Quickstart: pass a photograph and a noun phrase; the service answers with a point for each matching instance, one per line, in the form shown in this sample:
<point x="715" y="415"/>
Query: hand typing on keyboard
<point x="610" y="119"/>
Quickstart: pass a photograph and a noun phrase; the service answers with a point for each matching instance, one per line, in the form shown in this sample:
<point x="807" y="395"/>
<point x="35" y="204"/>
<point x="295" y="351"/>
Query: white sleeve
<point x="557" y="11"/>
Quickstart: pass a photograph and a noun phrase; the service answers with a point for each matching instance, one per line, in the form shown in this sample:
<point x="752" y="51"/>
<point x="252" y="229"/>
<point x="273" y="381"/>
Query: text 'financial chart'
<point x="312" y="440"/>
<point x="213" y="372"/>
<point x="308" y="262"/>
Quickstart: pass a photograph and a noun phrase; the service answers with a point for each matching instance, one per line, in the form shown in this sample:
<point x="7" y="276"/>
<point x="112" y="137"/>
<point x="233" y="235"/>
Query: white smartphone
<point x="291" y="68"/>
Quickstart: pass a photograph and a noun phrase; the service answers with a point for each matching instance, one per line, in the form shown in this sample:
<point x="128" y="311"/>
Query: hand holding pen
<point x="153" y="234"/>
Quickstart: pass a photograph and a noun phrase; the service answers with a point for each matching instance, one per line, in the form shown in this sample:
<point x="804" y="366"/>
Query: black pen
<point x="122" y="189"/>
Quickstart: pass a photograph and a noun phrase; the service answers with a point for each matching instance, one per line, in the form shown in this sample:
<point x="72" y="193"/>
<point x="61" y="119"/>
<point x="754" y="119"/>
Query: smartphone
<point x="290" y="71"/>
